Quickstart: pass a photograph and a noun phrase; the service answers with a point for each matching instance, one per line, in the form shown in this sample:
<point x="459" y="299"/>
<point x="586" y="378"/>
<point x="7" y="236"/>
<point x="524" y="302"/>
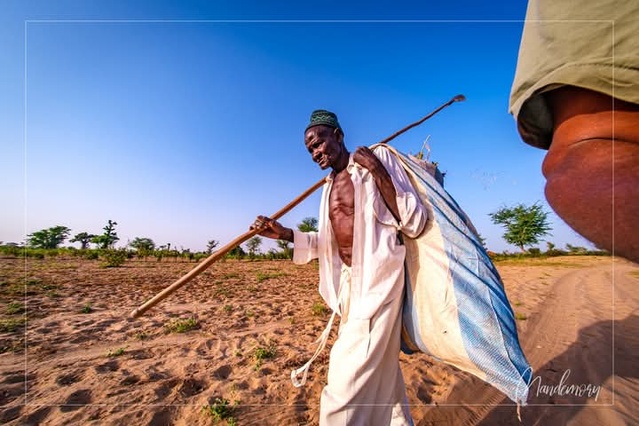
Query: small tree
<point x="253" y="246"/>
<point x="83" y="238"/>
<point x="143" y="246"/>
<point x="109" y="238"/>
<point x="308" y="224"/>
<point x="576" y="249"/>
<point x="49" y="238"/>
<point x="524" y="225"/>
<point x="285" y="248"/>
<point x="236" y="252"/>
<point x="210" y="246"/>
<point x="187" y="254"/>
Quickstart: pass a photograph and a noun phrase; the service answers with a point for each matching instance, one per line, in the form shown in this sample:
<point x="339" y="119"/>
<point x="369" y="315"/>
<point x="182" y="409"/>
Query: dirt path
<point x="582" y="344"/>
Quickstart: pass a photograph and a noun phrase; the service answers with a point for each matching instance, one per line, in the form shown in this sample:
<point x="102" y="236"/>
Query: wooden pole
<point x="201" y="267"/>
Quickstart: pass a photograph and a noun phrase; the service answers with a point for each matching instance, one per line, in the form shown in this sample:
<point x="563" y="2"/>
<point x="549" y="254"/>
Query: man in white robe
<point x="367" y="203"/>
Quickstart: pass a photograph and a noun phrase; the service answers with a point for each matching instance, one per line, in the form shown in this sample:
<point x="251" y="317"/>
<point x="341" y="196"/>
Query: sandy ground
<point x="79" y="359"/>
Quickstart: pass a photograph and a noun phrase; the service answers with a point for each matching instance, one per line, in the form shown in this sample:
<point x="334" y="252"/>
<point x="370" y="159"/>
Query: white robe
<point x="365" y="384"/>
<point x="377" y="256"/>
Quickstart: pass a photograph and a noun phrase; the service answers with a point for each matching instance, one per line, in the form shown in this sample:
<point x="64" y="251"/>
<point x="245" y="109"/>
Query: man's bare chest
<point x="341" y="199"/>
<point x="341" y="210"/>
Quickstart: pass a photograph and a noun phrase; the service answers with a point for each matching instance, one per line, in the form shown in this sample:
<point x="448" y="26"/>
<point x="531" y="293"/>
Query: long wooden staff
<point x="242" y="238"/>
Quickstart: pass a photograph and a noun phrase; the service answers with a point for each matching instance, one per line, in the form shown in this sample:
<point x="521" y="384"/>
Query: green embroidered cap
<point x="321" y="116"/>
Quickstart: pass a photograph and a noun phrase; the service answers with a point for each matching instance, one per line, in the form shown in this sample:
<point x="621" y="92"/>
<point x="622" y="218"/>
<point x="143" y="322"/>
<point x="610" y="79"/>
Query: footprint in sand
<point x="80" y="339"/>
<point x="162" y="418"/>
<point x="108" y="367"/>
<point x="223" y="372"/>
<point x="243" y="385"/>
<point x="67" y="379"/>
<point x="76" y="400"/>
<point x="424" y="394"/>
<point x="43" y="330"/>
<point x="38" y="416"/>
<point x="104" y="324"/>
<point x="140" y="354"/>
<point x="265" y="371"/>
<point x="191" y="387"/>
<point x="165" y="388"/>
<point x="153" y="375"/>
<point x="18" y="377"/>
<point x="10" y="414"/>
<point x="129" y="380"/>
<point x="206" y="347"/>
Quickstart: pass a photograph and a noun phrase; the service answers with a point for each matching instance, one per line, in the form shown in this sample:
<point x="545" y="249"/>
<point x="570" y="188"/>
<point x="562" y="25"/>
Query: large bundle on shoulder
<point x="455" y="306"/>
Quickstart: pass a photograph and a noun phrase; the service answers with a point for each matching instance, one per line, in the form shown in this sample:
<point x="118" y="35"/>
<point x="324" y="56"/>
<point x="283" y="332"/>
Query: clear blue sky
<point x="183" y="130"/>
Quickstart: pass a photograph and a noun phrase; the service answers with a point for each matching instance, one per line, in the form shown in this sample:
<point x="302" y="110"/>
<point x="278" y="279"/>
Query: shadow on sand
<point x="591" y="360"/>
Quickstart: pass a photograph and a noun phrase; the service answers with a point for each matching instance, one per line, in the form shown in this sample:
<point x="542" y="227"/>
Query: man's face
<point x="325" y="145"/>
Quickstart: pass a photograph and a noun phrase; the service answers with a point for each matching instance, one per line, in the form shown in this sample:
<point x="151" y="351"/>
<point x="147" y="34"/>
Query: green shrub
<point x="267" y="352"/>
<point x="555" y="253"/>
<point x="91" y="255"/>
<point x="117" y="352"/>
<point x="10" y="325"/>
<point x="534" y="251"/>
<point x="14" y="308"/>
<point x="221" y="409"/>
<point x="181" y="325"/>
<point x="261" y="353"/>
<point x="12" y="250"/>
<point x="114" y="258"/>
<point x="231" y="275"/>
<point x="267" y="276"/>
<point x="319" y="309"/>
<point x="33" y="281"/>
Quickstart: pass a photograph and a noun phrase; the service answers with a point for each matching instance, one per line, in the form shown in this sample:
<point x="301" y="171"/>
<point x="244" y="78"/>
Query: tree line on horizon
<point x="48" y="241"/>
<point x="524" y="226"/>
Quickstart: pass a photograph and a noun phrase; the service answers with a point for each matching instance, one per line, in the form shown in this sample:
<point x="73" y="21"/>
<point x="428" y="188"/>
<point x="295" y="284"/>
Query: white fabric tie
<point x="344" y="286"/>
